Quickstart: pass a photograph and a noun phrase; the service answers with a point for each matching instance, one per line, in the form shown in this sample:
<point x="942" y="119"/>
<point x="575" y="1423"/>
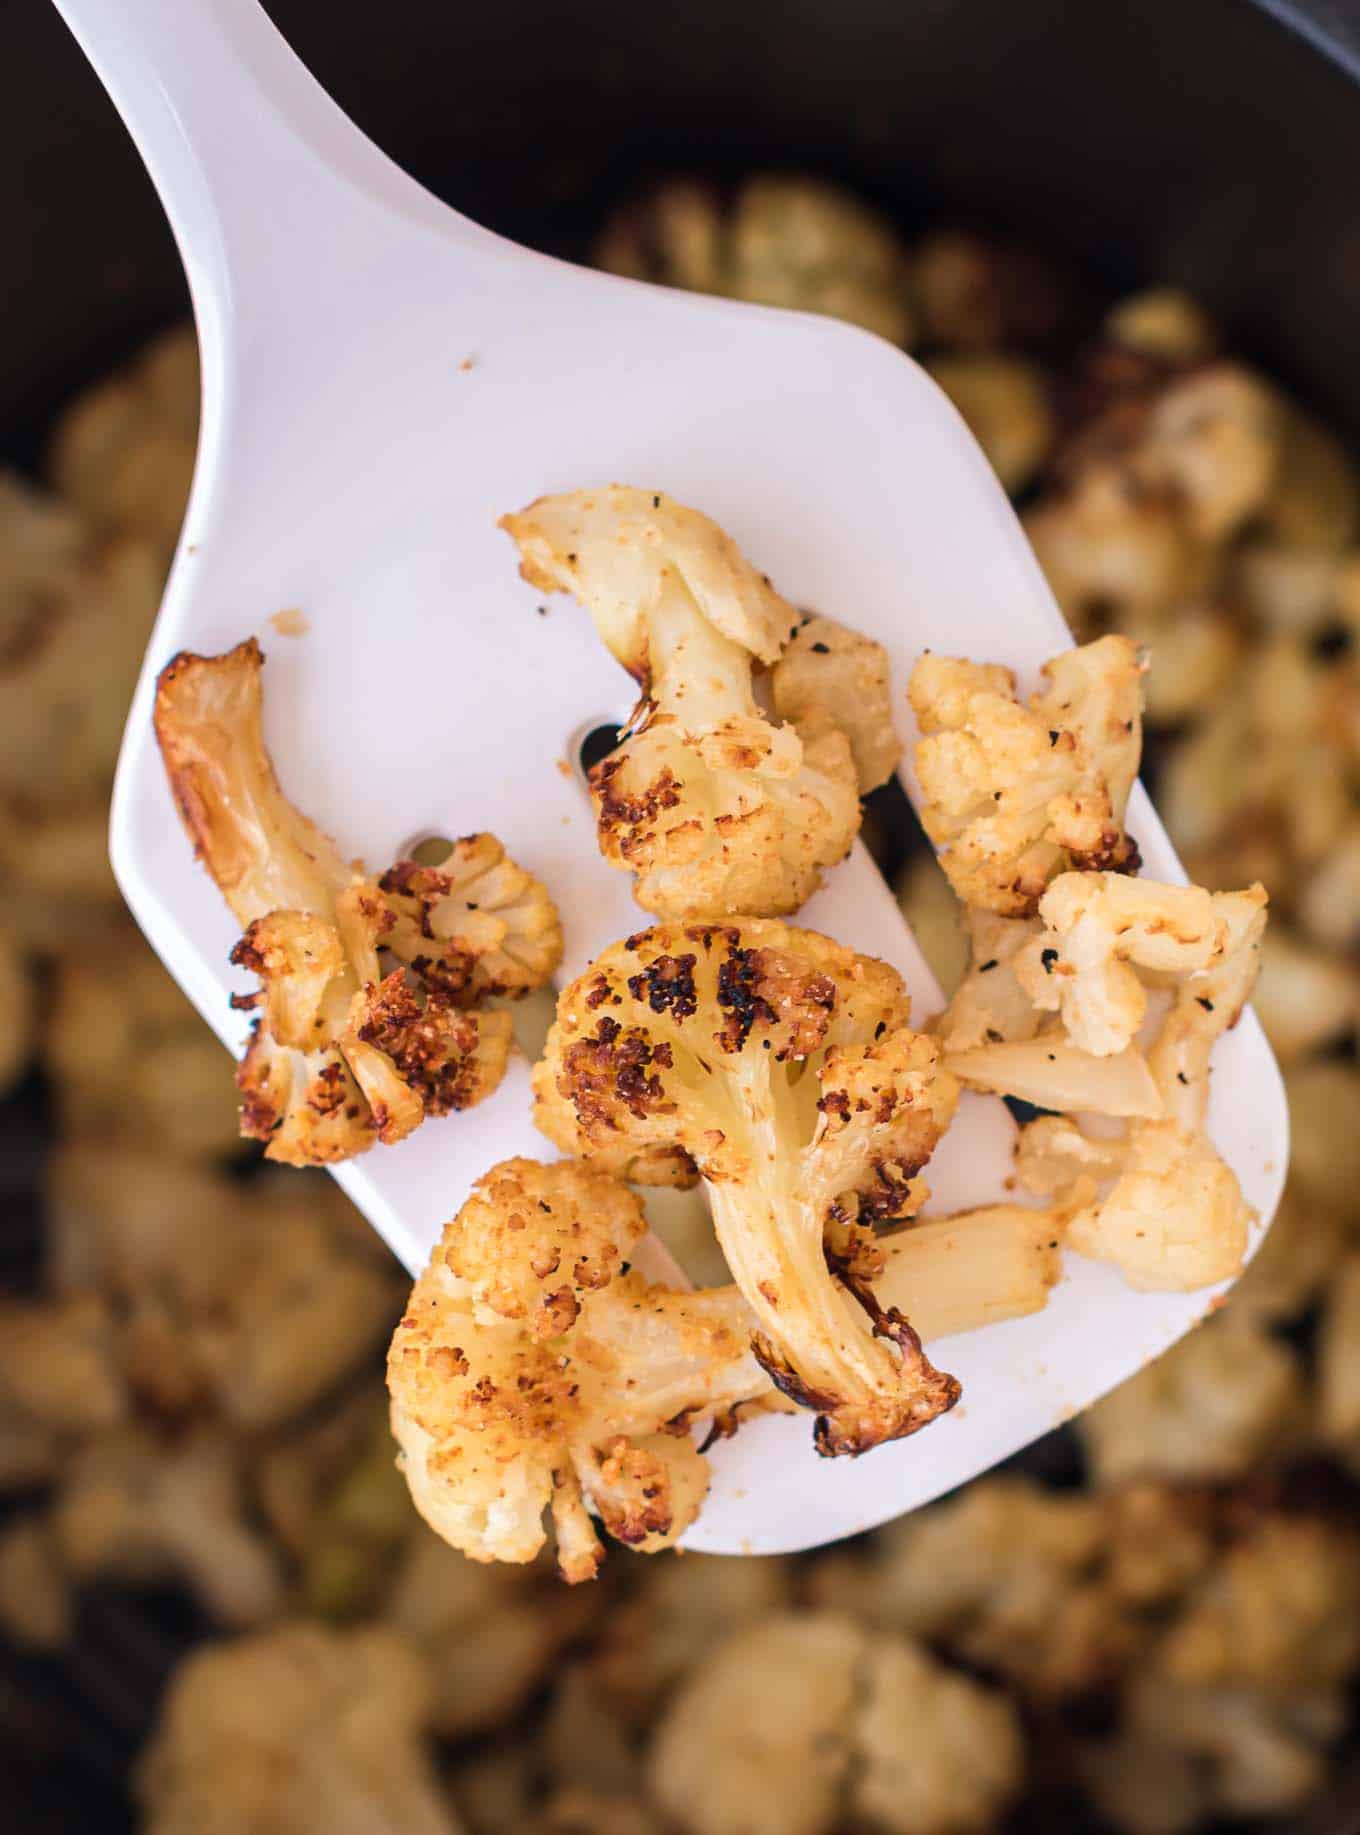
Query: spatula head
<point x="354" y="463"/>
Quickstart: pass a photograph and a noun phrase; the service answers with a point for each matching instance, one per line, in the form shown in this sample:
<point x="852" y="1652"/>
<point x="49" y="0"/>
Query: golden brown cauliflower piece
<point x="1006" y="403"/>
<point x="61" y="1379"/>
<point x="295" y="1731"/>
<point x="1016" y="794"/>
<point x="782" y="1064"/>
<point x="783" y="240"/>
<point x="713" y="807"/>
<point x="343" y="1053"/>
<point x="526" y="1371"/>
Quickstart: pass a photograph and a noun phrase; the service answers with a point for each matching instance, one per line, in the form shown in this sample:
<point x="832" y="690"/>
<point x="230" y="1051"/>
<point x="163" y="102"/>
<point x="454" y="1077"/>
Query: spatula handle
<point x="259" y="171"/>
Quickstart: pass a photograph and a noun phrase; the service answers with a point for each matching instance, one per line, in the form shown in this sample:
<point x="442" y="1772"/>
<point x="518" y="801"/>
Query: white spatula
<point x="382" y="379"/>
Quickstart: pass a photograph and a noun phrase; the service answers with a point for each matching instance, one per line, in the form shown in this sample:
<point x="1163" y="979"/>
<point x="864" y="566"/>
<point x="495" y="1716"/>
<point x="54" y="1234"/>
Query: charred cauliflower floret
<point x="713" y="807"/>
<point x="342" y="1054"/>
<point x="783" y="240"/>
<point x="1175" y="1216"/>
<point x="475" y="924"/>
<point x="1016" y="794"/>
<point x="533" y="1367"/>
<point x="783" y="1065"/>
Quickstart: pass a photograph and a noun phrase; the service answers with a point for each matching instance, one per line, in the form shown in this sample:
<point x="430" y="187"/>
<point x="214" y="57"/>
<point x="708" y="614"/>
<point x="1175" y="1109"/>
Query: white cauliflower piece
<point x="1212" y="440"/>
<point x="989" y="1006"/>
<point x="295" y="1731"/>
<point x="506" y="1374"/>
<point x="783" y="1066"/>
<point x="934" y="1752"/>
<point x="782" y="240"/>
<point x="1215" y="1405"/>
<point x="1100" y="929"/>
<point x="1016" y="794"/>
<point x="123" y="452"/>
<point x="343" y="1055"/>
<point x="1175" y="1217"/>
<point x="714" y="808"/>
<point x="758" y="1739"/>
<point x="831" y="677"/>
<point x="131" y="1507"/>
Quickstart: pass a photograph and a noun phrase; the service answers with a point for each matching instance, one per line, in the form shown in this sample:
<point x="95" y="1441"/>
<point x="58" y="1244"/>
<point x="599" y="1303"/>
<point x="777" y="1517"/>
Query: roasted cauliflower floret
<point x="783" y="1065"/>
<point x="1006" y="403"/>
<point x="832" y="677"/>
<point x="784" y="240"/>
<point x="1175" y="1217"/>
<point x="61" y="1379"/>
<point x="713" y="807"/>
<point x="475" y="924"/>
<point x="1016" y="794"/>
<point x="300" y="1729"/>
<point x="343" y="1054"/>
<point x="1100" y="929"/>
<point x="526" y="1370"/>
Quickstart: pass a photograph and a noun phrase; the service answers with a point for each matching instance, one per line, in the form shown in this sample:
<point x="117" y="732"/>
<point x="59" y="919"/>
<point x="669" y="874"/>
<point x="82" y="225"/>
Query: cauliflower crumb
<point x="714" y="808"/>
<point x="1015" y="793"/>
<point x="526" y="1371"/>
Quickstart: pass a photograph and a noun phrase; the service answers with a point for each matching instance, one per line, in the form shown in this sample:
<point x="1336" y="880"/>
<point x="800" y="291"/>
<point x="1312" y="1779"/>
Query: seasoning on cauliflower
<point x="1175" y="1217"/>
<point x="474" y="925"/>
<point x="831" y="677"/>
<point x="989" y="1006"/>
<point x="533" y="1366"/>
<point x="1100" y="929"/>
<point x="297" y="1728"/>
<point x="1015" y="794"/>
<point x="343" y="1055"/>
<point x="715" y="809"/>
<point x="782" y="240"/>
<point x="783" y="1065"/>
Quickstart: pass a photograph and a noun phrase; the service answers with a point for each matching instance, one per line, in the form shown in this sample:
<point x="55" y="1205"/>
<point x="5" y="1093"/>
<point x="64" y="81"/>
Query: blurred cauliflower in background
<point x="191" y="1394"/>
